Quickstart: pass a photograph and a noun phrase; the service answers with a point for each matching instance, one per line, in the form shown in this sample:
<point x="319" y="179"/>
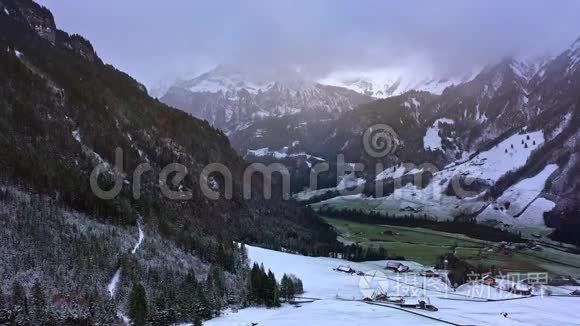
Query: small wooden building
<point x="345" y="269"/>
<point x="521" y="289"/>
<point x="430" y="273"/>
<point x="397" y="266"/>
<point x="488" y="280"/>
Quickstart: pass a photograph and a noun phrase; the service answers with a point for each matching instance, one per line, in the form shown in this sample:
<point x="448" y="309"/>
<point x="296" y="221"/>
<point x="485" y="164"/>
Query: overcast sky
<point x="161" y="40"/>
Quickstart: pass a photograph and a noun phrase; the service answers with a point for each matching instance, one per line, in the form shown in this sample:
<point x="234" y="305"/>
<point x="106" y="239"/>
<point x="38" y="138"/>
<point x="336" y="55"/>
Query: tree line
<point x="465" y="226"/>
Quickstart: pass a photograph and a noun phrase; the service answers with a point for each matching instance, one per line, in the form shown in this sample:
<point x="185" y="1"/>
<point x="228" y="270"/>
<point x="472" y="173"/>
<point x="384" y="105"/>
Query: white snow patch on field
<point x="432" y="140"/>
<point x="391" y="172"/>
<point x="336" y="313"/>
<point x="534" y="214"/>
<point x="259" y="152"/>
<point x="349" y="181"/>
<point x="508" y="155"/>
<point x="487" y="166"/>
<point x="279" y="154"/>
<point x="76" y="135"/>
<point x="563" y="125"/>
<point x="321" y="282"/>
<point x="518" y="196"/>
<point x="520" y="204"/>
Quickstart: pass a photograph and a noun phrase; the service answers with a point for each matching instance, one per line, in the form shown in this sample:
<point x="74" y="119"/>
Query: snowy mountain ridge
<point x="228" y="81"/>
<point x="229" y="99"/>
<point x="386" y="82"/>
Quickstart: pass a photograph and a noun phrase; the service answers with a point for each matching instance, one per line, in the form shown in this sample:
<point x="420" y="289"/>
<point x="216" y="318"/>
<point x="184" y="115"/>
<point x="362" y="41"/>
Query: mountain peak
<point x="37" y="17"/>
<point x="576" y="45"/>
<point x="382" y="83"/>
<point x="224" y="79"/>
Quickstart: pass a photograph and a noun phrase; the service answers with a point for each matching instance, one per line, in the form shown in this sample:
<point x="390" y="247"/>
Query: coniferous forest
<point x="63" y="112"/>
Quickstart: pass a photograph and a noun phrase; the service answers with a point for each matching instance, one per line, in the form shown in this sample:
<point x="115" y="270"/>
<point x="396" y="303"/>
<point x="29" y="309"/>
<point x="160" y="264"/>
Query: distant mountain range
<point x="231" y="101"/>
<point x="446" y="122"/>
<point x="382" y="83"/>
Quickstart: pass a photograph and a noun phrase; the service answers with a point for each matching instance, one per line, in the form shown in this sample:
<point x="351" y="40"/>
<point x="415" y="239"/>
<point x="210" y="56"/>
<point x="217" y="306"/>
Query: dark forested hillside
<point x="62" y="113"/>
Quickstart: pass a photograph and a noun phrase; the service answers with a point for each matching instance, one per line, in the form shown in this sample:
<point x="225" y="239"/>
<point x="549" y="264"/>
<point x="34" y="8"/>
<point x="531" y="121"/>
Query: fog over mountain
<point x="264" y="162"/>
<point x="154" y="41"/>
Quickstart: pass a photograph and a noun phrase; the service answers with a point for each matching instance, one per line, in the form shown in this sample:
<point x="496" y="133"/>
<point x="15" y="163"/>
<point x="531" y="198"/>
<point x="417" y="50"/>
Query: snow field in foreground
<point x="320" y="281"/>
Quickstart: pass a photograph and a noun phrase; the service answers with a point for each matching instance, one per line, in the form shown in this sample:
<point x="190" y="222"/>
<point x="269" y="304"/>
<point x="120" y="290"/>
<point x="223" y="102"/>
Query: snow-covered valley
<point x="521" y="205"/>
<point x="338" y="298"/>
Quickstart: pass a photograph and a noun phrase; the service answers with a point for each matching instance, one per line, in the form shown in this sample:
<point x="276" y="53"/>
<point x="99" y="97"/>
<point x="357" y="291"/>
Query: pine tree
<point x="255" y="285"/>
<point x="18" y="294"/>
<point x="243" y="254"/>
<point x="188" y="295"/>
<point x="213" y="298"/>
<point x="291" y="288"/>
<point x="272" y="295"/>
<point x="138" y="305"/>
<point x="203" y="308"/>
<point x="1" y="299"/>
<point x="197" y="322"/>
<point x="217" y="279"/>
<point x="284" y="287"/>
<point x="38" y="300"/>
<point x="299" y="287"/>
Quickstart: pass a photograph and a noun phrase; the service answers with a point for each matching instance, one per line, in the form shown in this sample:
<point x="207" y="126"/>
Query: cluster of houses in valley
<point x="394" y="266"/>
<point x="525" y="286"/>
<point x="518" y="284"/>
<point x="349" y="270"/>
<point x="506" y="247"/>
<point x="522" y="287"/>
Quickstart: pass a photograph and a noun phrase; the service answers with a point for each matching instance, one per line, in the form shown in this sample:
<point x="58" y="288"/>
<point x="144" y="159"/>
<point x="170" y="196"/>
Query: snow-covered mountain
<point x="232" y="100"/>
<point x="444" y="121"/>
<point x="382" y="83"/>
<point x="513" y="126"/>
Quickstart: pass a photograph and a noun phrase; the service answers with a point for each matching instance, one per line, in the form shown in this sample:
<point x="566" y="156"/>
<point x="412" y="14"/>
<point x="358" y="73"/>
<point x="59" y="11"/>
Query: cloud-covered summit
<point x="154" y="40"/>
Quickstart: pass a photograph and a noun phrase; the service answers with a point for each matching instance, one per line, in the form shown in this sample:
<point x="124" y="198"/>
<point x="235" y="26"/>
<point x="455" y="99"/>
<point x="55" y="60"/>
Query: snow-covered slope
<point x="382" y="83"/>
<point x="458" y="189"/>
<point x="227" y="81"/>
<point x="338" y="296"/>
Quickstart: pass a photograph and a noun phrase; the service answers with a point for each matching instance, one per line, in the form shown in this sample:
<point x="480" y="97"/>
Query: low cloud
<point x="155" y="40"/>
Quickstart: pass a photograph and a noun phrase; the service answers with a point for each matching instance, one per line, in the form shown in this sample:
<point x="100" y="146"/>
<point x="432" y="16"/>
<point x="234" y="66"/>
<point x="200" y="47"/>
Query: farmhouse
<point x="345" y="269"/>
<point x="397" y="266"/>
<point x="430" y="273"/>
<point x="521" y="288"/>
<point x="488" y="280"/>
<point x="563" y="281"/>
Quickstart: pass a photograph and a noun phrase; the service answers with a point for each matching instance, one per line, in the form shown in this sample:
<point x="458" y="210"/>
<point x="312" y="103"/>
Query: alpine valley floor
<point x="338" y="298"/>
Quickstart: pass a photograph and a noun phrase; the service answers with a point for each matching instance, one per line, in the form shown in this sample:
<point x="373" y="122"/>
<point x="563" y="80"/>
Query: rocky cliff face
<point x="37" y="17"/>
<point x="231" y="101"/>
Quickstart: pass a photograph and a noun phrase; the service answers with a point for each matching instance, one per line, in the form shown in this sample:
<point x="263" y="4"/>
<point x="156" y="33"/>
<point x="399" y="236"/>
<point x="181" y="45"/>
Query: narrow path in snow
<point x="527" y="206"/>
<point x="114" y="283"/>
<point x="112" y="286"/>
<point x="414" y="313"/>
<point x="141" y="237"/>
